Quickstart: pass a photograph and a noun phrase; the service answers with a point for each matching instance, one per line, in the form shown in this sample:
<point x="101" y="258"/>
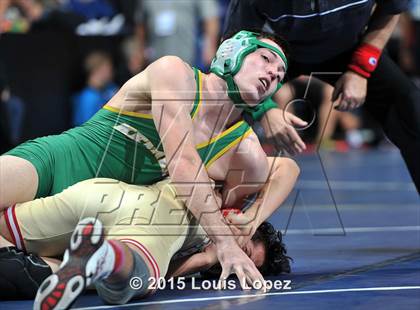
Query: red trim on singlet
<point x="149" y="256"/>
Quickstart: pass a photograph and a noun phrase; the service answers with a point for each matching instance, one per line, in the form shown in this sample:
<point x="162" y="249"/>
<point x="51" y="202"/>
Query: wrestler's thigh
<point x="156" y="226"/>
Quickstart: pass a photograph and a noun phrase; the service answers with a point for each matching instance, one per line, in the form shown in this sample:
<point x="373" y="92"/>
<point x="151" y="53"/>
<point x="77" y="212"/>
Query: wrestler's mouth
<point x="265" y="83"/>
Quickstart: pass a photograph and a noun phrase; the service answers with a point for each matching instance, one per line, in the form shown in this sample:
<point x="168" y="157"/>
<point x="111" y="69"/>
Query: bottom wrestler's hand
<point x="241" y="227"/>
<point x="234" y="260"/>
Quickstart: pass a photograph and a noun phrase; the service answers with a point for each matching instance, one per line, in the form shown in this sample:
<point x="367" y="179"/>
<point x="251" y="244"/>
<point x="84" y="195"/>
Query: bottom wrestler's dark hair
<point x="275" y="262"/>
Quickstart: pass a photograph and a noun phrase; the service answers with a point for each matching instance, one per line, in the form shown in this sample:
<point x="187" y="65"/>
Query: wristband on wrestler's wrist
<point x="262" y="108"/>
<point x="365" y="59"/>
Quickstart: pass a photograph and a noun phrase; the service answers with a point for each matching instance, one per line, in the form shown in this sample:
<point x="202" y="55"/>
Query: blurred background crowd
<point x="61" y="60"/>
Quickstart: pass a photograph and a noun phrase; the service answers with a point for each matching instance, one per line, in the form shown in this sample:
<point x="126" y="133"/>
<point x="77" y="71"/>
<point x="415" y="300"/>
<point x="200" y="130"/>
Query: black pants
<point x="392" y="99"/>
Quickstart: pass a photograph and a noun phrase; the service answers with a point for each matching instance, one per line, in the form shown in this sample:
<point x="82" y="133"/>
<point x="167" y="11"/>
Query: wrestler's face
<point x="256" y="252"/>
<point x="260" y="73"/>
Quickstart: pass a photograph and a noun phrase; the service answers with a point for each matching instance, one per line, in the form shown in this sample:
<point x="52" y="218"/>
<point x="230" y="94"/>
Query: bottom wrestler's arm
<point x="282" y="178"/>
<point x="283" y="175"/>
<point x="194" y="263"/>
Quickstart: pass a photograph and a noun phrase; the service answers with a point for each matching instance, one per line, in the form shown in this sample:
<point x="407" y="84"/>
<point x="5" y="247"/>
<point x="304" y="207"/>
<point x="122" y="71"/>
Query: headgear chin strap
<point x="228" y="61"/>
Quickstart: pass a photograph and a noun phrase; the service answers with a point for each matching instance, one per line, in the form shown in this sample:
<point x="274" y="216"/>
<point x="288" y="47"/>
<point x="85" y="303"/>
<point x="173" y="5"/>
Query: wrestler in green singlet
<point x="114" y="144"/>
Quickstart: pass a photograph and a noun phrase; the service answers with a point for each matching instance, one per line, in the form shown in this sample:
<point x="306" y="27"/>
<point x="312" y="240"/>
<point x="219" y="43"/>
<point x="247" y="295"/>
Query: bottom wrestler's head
<point x="266" y="250"/>
<point x="275" y="260"/>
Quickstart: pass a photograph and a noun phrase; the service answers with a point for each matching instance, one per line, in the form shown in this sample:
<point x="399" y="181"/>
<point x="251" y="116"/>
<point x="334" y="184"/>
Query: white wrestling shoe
<point x="81" y="266"/>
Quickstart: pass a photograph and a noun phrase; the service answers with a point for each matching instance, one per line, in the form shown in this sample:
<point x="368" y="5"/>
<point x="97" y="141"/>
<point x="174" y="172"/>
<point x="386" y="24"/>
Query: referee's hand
<point x="350" y="91"/>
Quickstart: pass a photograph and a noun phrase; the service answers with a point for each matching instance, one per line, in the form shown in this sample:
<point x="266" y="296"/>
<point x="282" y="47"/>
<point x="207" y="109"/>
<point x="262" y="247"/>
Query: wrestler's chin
<point x="252" y="97"/>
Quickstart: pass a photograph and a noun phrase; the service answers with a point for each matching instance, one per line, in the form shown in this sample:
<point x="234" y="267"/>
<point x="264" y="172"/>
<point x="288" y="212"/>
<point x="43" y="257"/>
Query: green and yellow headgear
<point x="228" y="61"/>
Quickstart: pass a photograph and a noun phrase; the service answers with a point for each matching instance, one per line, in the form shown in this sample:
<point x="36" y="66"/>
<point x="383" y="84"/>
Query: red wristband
<point x="365" y="59"/>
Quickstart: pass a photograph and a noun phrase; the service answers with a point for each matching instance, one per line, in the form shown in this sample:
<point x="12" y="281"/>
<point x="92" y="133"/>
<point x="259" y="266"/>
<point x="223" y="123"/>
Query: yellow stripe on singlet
<point x="200" y="87"/>
<point x="128" y="113"/>
<point x="219" y="136"/>
<point x="228" y="147"/>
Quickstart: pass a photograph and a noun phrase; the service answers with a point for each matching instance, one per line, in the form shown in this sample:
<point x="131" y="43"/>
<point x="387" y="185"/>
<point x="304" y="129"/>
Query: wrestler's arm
<point x="253" y="172"/>
<point x="248" y="172"/>
<point x="283" y="175"/>
<point x="194" y="263"/>
<point x="169" y="78"/>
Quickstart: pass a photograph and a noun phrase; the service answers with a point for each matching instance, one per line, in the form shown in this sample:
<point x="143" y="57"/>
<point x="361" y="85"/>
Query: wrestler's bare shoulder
<point x="167" y="74"/>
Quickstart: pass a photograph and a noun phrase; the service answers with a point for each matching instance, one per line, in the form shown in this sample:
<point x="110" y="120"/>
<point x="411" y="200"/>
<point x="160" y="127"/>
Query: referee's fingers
<point x="338" y="89"/>
<point x="343" y="105"/>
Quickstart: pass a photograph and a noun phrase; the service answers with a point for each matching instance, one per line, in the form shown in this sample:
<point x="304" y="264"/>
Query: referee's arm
<point x="383" y="22"/>
<point x="351" y="88"/>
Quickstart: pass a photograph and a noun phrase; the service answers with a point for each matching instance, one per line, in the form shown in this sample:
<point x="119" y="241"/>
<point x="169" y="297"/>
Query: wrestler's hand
<point x="241" y="226"/>
<point x="234" y="260"/>
<point x="280" y="126"/>
<point x="211" y="255"/>
<point x="351" y="90"/>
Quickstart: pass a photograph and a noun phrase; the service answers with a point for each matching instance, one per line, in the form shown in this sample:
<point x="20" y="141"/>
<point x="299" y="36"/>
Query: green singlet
<point x="114" y="144"/>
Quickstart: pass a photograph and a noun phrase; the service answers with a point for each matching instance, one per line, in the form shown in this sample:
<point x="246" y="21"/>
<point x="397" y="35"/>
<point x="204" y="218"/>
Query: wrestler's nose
<point x="273" y="75"/>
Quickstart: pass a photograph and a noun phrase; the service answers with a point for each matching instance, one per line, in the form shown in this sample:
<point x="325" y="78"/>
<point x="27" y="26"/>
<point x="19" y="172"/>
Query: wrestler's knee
<point x="290" y="166"/>
<point x="134" y="286"/>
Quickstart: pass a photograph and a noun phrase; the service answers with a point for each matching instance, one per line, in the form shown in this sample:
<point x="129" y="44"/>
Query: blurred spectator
<point x="170" y="27"/>
<point x="11" y="117"/>
<point x="18" y="15"/>
<point x="318" y="96"/>
<point x="5" y="143"/>
<point x="410" y="39"/>
<point x="99" y="16"/>
<point x="89" y="9"/>
<point x="223" y="5"/>
<point x="100" y="87"/>
<point x="133" y="59"/>
<point x="84" y="17"/>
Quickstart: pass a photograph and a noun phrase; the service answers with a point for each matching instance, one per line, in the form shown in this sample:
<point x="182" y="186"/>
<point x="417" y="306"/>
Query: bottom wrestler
<point x="148" y="232"/>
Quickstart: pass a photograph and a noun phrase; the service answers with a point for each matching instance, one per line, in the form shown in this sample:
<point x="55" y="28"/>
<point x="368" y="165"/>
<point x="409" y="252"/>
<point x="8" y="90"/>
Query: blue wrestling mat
<point x="352" y="226"/>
